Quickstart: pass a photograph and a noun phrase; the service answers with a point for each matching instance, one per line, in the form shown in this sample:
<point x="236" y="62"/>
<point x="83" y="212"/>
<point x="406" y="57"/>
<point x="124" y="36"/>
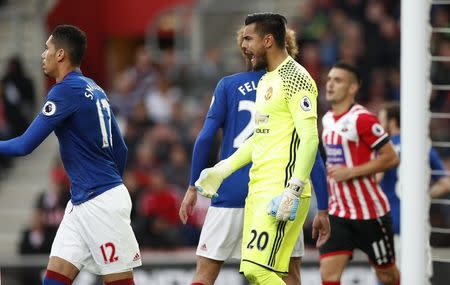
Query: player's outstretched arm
<point x="29" y="140"/>
<point x="211" y="178"/>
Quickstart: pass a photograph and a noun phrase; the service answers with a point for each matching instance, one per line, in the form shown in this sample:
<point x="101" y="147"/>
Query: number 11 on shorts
<point x="109" y="248"/>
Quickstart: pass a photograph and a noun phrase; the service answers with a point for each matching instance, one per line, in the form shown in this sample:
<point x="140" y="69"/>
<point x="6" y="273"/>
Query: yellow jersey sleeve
<point x="242" y="156"/>
<point x="301" y="97"/>
<point x="309" y="140"/>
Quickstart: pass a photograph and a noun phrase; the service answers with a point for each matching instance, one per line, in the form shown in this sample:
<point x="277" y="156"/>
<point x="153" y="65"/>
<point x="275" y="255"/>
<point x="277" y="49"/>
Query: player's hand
<point x="210" y="179"/>
<point x="284" y="207"/>
<point x="339" y="173"/>
<point x="188" y="204"/>
<point x="321" y="228"/>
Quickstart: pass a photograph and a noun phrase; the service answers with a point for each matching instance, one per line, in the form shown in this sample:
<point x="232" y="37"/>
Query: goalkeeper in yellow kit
<point x="283" y="149"/>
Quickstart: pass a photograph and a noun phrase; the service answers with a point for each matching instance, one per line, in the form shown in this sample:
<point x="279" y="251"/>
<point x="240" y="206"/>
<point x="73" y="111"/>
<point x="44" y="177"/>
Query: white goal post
<point x="415" y="117"/>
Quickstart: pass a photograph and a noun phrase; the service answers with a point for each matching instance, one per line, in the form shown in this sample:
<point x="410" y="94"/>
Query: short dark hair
<point x="350" y="68"/>
<point x="72" y="39"/>
<point x="269" y="23"/>
<point x="393" y="112"/>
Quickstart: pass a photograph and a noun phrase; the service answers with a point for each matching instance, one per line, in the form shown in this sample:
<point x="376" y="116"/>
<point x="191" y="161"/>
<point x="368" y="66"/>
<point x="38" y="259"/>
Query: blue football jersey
<point x="91" y="145"/>
<point x="389" y="182"/>
<point x="232" y="110"/>
<point x="86" y="130"/>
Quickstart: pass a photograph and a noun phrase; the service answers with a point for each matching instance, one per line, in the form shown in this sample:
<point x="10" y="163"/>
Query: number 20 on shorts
<point x="261" y="240"/>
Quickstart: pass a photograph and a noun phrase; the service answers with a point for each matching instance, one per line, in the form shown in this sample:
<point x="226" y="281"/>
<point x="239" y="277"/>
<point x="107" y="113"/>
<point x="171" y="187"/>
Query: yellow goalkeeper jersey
<point x="285" y="138"/>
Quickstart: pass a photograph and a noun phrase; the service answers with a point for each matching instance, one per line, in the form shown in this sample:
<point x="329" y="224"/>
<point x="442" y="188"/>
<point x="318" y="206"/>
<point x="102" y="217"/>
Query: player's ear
<point x="354" y="88"/>
<point x="60" y="54"/>
<point x="268" y="40"/>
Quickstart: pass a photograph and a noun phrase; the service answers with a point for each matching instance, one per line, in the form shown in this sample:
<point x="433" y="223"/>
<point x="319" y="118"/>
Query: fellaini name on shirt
<point x="247" y="87"/>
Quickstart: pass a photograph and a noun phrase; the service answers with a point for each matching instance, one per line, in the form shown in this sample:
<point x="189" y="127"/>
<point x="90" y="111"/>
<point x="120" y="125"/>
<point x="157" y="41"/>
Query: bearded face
<point x="253" y="47"/>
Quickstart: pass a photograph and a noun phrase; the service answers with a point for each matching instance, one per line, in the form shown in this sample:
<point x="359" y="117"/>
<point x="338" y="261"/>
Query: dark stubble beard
<point x="261" y="62"/>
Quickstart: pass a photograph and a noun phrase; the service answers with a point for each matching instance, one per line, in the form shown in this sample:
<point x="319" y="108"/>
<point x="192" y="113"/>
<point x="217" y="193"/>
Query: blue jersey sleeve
<point x="214" y="120"/>
<point x="319" y="181"/>
<point x="436" y="164"/>
<point x="29" y="140"/>
<point x="60" y="104"/>
<point x="120" y="149"/>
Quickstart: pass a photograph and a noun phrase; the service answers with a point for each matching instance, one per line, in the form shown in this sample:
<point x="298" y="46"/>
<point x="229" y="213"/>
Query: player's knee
<point x="328" y="273"/>
<point x="388" y="277"/>
<point x="293" y="277"/>
<point x="207" y="271"/>
<point x="204" y="278"/>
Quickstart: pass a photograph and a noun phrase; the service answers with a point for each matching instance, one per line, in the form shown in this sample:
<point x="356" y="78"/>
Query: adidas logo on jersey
<point x="203" y="247"/>
<point x="136" y="256"/>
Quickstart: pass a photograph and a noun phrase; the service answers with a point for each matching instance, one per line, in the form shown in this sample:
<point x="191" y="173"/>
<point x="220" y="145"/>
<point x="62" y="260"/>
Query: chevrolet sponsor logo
<point x="261" y="119"/>
<point x="262" y="131"/>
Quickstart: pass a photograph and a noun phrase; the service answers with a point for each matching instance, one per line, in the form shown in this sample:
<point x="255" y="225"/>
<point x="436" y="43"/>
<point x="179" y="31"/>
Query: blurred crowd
<point x="17" y="102"/>
<point x="161" y="105"/>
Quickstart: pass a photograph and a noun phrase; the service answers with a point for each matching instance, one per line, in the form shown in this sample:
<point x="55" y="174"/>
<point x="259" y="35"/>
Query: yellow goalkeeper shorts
<point x="266" y="241"/>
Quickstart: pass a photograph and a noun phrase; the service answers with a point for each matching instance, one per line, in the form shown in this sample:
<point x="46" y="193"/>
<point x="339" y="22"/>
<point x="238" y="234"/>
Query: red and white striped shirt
<point x="351" y="139"/>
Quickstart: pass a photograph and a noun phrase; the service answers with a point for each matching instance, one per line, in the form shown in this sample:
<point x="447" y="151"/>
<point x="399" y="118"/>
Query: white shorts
<point x="97" y="236"/>
<point x="221" y="236"/>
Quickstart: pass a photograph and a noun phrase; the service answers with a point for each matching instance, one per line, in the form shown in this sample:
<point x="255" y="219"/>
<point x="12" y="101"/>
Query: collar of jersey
<point x="280" y="65"/>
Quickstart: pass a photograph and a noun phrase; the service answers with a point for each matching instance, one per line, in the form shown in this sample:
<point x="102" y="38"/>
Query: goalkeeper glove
<point x="285" y="206"/>
<point x="210" y="179"/>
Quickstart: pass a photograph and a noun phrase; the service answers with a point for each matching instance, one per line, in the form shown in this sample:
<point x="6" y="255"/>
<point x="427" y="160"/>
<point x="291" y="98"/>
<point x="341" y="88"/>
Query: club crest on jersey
<point x="49" y="108"/>
<point x="377" y="130"/>
<point x="269" y="93"/>
<point x="305" y="104"/>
